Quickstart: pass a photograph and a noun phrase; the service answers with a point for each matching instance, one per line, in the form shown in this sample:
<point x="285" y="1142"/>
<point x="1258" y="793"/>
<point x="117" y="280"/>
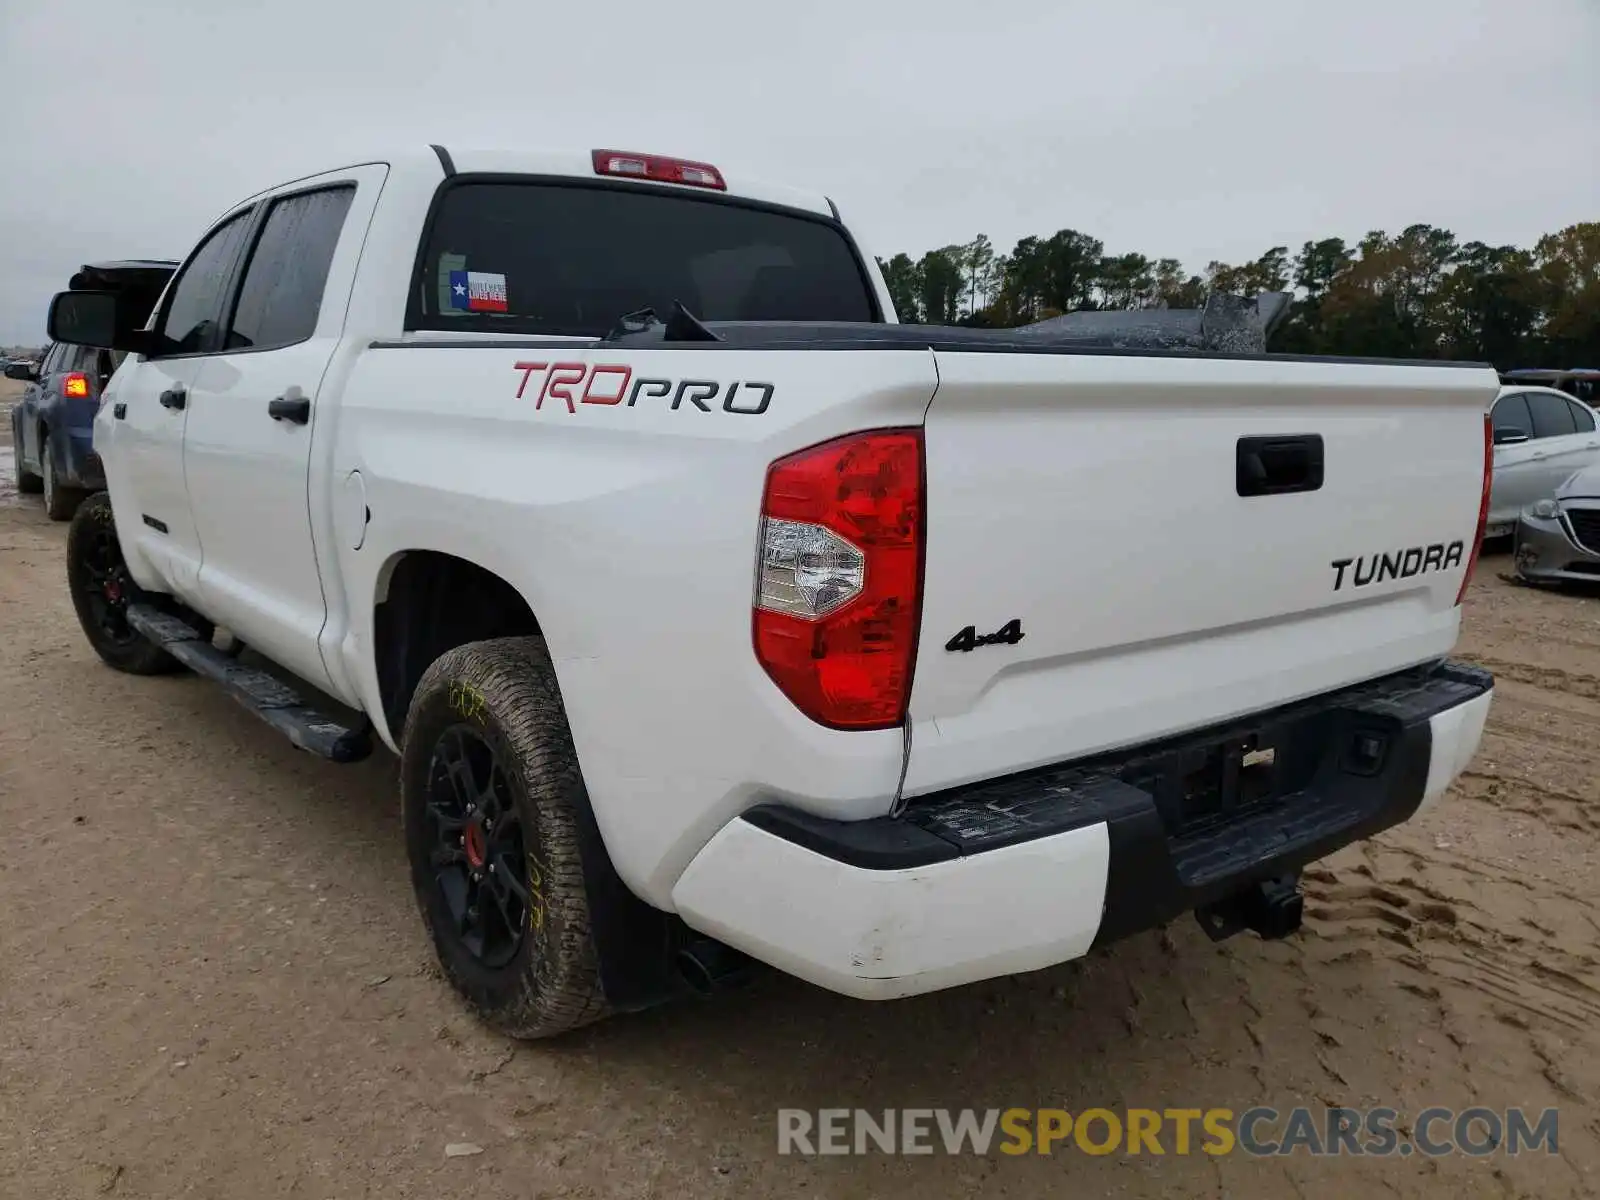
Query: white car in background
<point x="1541" y="437"/>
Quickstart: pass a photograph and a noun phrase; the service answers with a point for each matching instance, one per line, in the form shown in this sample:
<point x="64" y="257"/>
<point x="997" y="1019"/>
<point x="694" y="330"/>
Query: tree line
<point x="1421" y="293"/>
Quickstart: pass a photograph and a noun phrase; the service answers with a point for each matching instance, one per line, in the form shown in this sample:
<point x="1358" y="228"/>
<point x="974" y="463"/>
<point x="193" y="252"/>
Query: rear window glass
<point x="571" y="260"/>
<point x="1551" y="416"/>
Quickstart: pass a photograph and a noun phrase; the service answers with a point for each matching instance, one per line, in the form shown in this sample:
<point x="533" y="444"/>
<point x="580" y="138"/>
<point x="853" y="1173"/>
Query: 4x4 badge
<point x="968" y="639"/>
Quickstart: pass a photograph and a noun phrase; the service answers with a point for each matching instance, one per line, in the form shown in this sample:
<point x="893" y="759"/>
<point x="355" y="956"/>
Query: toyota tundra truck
<point x="719" y="620"/>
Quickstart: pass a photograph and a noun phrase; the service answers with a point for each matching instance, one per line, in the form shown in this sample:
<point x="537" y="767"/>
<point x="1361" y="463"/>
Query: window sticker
<point x="477" y="291"/>
<point x="449" y="264"/>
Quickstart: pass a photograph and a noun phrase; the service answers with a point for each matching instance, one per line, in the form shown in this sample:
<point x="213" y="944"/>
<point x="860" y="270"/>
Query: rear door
<point x="1561" y="448"/>
<point x="1119" y="548"/>
<point x="1583" y="420"/>
<point x="247" y="444"/>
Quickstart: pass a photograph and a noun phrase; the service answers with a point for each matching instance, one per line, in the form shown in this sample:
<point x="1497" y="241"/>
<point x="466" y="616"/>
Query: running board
<point x="270" y="699"/>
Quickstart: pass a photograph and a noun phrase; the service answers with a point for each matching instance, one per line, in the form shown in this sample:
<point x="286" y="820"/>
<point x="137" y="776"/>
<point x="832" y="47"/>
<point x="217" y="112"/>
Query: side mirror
<point x="22" y="371"/>
<point x="1508" y="435"/>
<point x="103" y="319"/>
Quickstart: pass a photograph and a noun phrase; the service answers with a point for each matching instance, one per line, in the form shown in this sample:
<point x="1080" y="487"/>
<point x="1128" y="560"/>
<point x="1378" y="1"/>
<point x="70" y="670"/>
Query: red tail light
<point x="657" y="167"/>
<point x="75" y="383"/>
<point x="839" y="579"/>
<point x="1483" y="505"/>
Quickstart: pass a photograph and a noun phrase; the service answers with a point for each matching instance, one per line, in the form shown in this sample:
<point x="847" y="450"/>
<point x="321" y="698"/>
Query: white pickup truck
<point x="757" y="627"/>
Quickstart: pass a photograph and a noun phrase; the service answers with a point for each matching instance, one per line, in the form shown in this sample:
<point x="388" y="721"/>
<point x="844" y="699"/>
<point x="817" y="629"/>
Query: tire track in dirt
<point x="1555" y="679"/>
<point x="1555" y="805"/>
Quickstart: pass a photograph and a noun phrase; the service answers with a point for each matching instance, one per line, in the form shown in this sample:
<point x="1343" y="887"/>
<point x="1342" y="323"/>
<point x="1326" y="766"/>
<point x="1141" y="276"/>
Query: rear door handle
<point x="119" y="410"/>
<point x="297" y="411"/>
<point x="174" y="398"/>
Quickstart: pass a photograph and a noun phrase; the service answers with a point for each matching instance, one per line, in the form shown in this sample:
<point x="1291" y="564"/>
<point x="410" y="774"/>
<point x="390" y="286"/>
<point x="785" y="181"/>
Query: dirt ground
<point x="213" y="981"/>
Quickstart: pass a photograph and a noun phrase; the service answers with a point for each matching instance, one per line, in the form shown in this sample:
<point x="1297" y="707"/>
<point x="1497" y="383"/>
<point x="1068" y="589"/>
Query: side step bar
<point x="270" y="699"/>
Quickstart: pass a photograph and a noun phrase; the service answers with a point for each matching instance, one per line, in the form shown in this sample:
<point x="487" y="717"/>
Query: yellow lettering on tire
<point x="467" y="701"/>
<point x="535" y="896"/>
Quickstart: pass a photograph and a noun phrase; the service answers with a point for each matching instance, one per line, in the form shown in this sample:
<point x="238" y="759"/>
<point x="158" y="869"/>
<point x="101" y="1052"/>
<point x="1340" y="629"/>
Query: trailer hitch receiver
<point x="1273" y="908"/>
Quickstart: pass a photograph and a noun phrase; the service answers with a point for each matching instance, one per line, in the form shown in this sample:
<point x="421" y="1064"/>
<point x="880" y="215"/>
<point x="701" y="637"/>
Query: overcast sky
<point x="1196" y="130"/>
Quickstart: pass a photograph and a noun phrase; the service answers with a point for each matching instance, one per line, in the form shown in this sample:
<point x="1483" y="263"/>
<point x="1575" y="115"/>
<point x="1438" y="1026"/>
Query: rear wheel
<point x="102" y="589"/>
<point x="59" y="502"/>
<point x="490" y="790"/>
<point x="28" y="483"/>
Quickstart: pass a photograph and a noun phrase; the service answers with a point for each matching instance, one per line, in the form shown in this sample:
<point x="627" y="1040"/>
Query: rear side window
<point x="569" y="260"/>
<point x="1552" y="417"/>
<point x="194" y="309"/>
<point x="1511" y="412"/>
<point x="288" y="269"/>
<point x="103" y="364"/>
<point x="1582" y="417"/>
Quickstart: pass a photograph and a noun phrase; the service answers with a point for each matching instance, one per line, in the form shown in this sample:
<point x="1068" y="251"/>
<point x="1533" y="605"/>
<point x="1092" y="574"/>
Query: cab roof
<point x="445" y="160"/>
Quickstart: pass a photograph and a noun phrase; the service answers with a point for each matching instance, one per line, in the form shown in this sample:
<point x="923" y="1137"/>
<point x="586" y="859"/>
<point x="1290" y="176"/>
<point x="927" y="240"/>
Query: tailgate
<point x="1093" y="504"/>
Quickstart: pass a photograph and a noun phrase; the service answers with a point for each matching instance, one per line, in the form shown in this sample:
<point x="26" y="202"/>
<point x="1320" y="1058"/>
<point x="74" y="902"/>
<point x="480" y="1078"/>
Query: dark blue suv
<point x="52" y="427"/>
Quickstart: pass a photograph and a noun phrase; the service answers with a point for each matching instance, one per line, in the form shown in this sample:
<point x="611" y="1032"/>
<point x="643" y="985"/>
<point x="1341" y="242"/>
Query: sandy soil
<point x="213" y="981"/>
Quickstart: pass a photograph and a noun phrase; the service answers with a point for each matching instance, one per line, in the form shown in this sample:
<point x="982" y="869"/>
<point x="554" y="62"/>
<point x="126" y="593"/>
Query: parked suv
<point x="52" y="427"/>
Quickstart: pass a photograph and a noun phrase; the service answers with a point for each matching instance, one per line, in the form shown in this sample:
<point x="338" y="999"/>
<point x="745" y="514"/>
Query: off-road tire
<point x="504" y="692"/>
<point x="59" y="502"/>
<point x="28" y="484"/>
<point x="135" y="655"/>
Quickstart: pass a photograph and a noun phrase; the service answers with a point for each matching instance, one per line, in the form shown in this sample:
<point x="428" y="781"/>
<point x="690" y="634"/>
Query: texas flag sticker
<point x="477" y="291"/>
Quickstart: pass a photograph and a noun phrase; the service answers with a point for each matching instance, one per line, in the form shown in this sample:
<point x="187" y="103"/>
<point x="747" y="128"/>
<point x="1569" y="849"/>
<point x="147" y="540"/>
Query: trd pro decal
<point x="573" y="384"/>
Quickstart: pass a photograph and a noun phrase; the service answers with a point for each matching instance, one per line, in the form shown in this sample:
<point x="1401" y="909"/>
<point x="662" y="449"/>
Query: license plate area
<point x="1231" y="779"/>
<point x="1207" y="785"/>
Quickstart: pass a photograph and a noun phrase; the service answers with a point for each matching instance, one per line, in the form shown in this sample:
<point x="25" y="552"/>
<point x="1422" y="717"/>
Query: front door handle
<point x="175" y="398"/>
<point x="119" y="410"/>
<point x="297" y="410"/>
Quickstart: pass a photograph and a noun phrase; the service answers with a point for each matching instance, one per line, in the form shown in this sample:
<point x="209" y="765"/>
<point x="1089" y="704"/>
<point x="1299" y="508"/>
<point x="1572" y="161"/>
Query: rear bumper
<point x="1020" y="873"/>
<point x="79" y="466"/>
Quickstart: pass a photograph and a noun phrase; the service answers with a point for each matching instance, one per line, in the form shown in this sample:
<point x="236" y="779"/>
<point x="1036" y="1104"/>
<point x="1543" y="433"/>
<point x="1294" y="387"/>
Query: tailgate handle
<point x="1279" y="464"/>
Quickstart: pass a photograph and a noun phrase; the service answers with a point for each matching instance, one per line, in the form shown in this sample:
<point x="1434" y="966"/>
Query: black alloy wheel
<point x="479" y="856"/>
<point x="106" y="585"/>
<point x="102" y="590"/>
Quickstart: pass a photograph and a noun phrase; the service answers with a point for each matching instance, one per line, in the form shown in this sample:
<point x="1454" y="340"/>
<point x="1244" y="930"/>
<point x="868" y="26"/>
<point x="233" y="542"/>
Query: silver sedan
<point x="1558" y="539"/>
<point x="1541" y="436"/>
